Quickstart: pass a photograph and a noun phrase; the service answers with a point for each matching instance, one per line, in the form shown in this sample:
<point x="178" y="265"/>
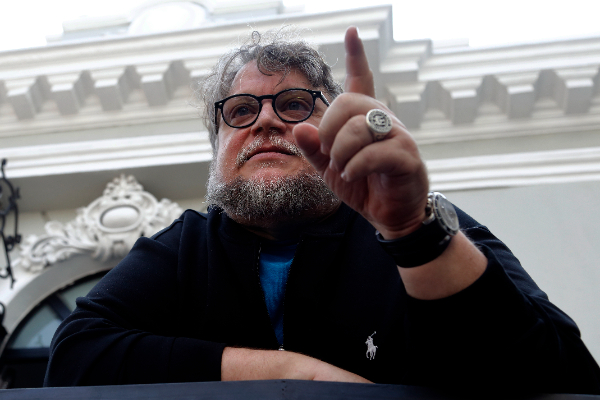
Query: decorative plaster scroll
<point x="108" y="227"/>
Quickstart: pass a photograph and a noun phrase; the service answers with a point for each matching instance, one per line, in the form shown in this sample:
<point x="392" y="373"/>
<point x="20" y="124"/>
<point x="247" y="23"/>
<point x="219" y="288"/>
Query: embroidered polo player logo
<point x="371" y="348"/>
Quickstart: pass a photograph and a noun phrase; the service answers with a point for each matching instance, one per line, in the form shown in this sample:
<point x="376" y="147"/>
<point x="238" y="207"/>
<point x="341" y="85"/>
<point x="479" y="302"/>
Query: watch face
<point x="447" y="214"/>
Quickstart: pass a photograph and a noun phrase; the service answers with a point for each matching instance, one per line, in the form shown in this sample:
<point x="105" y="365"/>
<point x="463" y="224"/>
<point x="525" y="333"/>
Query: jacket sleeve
<point x="502" y="332"/>
<point x="128" y="329"/>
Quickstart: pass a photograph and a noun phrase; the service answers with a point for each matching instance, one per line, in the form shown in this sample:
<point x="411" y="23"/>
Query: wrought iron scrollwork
<point x="8" y="205"/>
<point x="2" y="328"/>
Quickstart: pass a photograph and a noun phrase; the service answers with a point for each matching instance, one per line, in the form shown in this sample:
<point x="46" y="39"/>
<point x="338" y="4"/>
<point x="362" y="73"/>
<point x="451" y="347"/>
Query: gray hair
<point x="274" y="52"/>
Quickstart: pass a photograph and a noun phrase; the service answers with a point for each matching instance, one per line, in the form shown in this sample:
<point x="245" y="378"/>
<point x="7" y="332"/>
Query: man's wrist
<point x="429" y="240"/>
<point x="392" y="234"/>
<point x="417" y="248"/>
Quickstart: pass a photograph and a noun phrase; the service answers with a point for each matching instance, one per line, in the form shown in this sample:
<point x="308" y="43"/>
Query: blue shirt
<point x="273" y="269"/>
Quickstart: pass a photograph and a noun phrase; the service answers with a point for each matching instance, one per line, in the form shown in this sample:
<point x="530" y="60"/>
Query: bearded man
<point x="321" y="240"/>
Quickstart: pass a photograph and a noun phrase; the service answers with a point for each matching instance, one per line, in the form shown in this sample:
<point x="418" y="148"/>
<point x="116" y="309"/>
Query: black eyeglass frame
<point x="314" y="93"/>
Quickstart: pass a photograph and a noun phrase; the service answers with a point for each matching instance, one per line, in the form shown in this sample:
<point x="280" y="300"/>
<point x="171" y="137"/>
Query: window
<point x="23" y="362"/>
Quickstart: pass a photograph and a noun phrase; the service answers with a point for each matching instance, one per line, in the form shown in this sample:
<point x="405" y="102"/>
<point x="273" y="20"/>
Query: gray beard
<point x="265" y="203"/>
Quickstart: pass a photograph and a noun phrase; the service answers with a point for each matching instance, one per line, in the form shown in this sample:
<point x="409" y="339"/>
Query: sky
<point x="26" y="23"/>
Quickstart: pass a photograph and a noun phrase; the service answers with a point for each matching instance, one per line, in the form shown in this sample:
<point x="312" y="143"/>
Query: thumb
<point x="359" y="77"/>
<point x="307" y="139"/>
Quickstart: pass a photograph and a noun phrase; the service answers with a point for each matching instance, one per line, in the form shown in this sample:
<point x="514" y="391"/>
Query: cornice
<point x="185" y="157"/>
<point x="491" y="122"/>
<point x="130" y="80"/>
<point x="121" y="80"/>
<point x="108" y="154"/>
<point x="443" y="95"/>
<point x="517" y="169"/>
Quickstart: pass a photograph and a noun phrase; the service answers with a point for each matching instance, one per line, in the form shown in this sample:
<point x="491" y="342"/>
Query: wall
<point x="554" y="231"/>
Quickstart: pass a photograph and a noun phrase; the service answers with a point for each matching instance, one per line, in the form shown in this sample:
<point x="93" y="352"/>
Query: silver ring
<point x="379" y="123"/>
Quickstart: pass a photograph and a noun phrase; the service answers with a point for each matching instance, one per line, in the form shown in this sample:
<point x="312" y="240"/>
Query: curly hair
<point x="282" y="53"/>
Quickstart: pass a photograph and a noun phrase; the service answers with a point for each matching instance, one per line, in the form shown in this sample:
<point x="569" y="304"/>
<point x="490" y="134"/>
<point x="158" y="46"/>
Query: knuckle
<point x="344" y="100"/>
<point x="358" y="125"/>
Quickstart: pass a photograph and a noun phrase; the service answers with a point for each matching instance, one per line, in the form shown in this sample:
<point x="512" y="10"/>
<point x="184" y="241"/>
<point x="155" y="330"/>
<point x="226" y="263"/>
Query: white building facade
<point x="101" y="138"/>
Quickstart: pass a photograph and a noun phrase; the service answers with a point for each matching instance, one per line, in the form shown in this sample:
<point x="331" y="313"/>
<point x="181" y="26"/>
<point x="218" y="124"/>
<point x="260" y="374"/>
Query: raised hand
<point x="386" y="181"/>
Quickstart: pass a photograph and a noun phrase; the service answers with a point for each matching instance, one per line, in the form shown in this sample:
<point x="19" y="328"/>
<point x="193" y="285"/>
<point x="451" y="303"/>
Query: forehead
<point x="250" y="80"/>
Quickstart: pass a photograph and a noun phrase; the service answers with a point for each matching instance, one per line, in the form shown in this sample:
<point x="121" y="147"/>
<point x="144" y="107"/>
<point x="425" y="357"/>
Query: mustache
<point x="274" y="139"/>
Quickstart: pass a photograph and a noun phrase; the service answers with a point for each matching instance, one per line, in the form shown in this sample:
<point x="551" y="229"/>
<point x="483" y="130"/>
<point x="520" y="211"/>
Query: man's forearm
<point x="240" y="364"/>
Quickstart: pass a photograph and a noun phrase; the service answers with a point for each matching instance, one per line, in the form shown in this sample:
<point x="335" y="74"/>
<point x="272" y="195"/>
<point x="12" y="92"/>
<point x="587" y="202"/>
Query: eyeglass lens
<point x="290" y="105"/>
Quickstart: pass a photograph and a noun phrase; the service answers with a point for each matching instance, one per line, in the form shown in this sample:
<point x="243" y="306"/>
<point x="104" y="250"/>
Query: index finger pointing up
<point x="359" y="77"/>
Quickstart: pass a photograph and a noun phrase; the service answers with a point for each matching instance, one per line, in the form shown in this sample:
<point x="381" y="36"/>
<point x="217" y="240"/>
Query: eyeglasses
<point x="290" y="105"/>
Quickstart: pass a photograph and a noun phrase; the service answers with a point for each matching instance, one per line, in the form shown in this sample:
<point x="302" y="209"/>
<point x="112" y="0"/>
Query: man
<point x="322" y="240"/>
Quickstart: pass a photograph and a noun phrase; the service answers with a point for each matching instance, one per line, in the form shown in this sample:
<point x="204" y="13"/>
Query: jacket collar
<point x="333" y="225"/>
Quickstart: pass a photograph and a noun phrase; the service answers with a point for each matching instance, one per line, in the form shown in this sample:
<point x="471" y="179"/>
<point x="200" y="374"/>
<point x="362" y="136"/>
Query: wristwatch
<point x="429" y="241"/>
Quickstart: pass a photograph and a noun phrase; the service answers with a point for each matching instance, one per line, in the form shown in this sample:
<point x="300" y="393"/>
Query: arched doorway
<point x="25" y="357"/>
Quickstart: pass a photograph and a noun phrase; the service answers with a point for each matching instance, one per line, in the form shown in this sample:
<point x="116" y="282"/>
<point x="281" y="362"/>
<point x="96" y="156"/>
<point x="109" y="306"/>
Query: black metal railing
<point x="8" y="208"/>
<point x="266" y="390"/>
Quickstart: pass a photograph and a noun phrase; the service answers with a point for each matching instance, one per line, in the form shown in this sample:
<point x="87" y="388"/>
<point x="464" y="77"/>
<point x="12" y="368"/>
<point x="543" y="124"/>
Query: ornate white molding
<point x="108" y="154"/>
<point x="106" y="228"/>
<point x="145" y="79"/>
<point x="518" y="169"/>
<point x="99" y="83"/>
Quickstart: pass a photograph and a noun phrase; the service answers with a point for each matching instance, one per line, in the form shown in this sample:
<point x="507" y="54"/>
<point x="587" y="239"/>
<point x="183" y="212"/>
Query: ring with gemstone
<point x="379" y="123"/>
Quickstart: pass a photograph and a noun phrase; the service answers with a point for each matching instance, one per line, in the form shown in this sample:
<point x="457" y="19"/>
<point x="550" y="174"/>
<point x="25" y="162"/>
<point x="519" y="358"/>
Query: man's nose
<point x="268" y="119"/>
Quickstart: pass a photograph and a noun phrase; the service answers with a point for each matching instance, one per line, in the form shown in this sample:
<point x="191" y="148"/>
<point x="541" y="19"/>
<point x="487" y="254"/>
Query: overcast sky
<point x="26" y="23"/>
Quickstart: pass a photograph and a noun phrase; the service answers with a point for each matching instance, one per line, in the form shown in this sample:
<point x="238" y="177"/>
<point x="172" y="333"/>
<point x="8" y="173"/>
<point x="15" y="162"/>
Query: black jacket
<point x="165" y="313"/>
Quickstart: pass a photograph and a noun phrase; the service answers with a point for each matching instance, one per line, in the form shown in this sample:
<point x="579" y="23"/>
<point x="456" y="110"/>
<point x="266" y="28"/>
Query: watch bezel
<point x="444" y="212"/>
